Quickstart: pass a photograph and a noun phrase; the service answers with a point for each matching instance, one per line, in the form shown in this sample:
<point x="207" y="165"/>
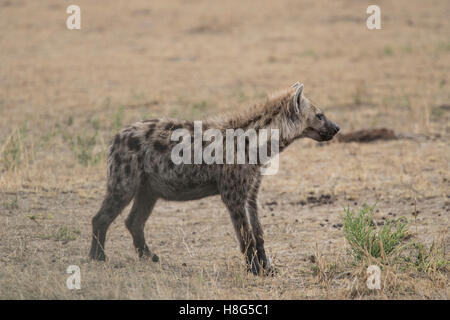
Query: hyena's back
<point x="140" y="157"/>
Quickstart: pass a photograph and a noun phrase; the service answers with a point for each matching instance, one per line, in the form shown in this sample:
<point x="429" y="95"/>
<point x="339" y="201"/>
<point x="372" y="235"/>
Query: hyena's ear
<point x="297" y="98"/>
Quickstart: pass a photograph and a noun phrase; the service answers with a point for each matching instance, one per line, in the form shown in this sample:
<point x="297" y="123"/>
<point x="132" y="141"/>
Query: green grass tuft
<point x="366" y="240"/>
<point x="12" y="204"/>
<point x="426" y="258"/>
<point x="63" y="234"/>
<point x="83" y="147"/>
<point x="388" y="51"/>
<point x="117" y="119"/>
<point x="12" y="149"/>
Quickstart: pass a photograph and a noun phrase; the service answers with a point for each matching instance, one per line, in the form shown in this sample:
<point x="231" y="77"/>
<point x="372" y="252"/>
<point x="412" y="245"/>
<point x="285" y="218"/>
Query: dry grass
<point x="64" y="93"/>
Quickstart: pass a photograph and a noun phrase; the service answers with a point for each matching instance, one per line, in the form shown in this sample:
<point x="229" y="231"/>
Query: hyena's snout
<point x="335" y="128"/>
<point x="331" y="130"/>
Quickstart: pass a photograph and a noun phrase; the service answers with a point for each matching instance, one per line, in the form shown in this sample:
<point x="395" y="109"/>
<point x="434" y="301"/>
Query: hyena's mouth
<point x="327" y="135"/>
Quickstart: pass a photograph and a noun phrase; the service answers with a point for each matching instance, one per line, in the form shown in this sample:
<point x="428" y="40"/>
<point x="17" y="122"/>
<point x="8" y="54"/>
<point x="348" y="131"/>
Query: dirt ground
<point x="64" y="93"/>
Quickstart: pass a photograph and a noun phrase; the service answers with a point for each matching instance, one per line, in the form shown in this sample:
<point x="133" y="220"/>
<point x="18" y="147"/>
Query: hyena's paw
<point x="262" y="268"/>
<point x="147" y="255"/>
<point x="270" y="271"/>
<point x="253" y="268"/>
<point x="155" y="258"/>
<point x="97" y="255"/>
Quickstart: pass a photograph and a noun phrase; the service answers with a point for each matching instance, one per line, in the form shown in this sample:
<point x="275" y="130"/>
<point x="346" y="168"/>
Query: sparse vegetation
<point x="39" y="216"/>
<point x="324" y="271"/>
<point x="11" y="204"/>
<point x="84" y="146"/>
<point x="192" y="110"/>
<point x="12" y="150"/>
<point x="117" y="119"/>
<point x="46" y="138"/>
<point x="310" y="53"/>
<point x="425" y="258"/>
<point x="63" y="234"/>
<point x="366" y="239"/>
<point x="386" y="244"/>
<point x="388" y="51"/>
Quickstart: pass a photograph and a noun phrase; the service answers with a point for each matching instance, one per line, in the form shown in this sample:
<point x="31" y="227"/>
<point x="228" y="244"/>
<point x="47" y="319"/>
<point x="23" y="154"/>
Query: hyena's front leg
<point x="235" y="203"/>
<point x="252" y="209"/>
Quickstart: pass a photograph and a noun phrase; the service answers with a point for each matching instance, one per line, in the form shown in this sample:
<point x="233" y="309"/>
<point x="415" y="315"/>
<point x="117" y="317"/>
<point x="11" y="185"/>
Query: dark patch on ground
<point x="367" y="135"/>
<point x="312" y="200"/>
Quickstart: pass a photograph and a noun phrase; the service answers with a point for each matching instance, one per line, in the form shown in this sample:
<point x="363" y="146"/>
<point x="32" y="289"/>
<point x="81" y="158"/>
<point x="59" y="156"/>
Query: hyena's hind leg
<point x="143" y="205"/>
<point x="121" y="188"/>
<point x="112" y="206"/>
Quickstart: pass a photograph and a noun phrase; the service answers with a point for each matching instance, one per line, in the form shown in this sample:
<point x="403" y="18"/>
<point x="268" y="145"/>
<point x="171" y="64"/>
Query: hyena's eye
<point x="319" y="116"/>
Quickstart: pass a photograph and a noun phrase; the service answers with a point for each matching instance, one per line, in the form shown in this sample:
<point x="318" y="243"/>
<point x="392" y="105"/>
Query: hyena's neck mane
<point x="275" y="113"/>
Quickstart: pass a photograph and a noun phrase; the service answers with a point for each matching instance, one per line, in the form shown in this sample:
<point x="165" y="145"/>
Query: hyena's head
<point x="312" y="122"/>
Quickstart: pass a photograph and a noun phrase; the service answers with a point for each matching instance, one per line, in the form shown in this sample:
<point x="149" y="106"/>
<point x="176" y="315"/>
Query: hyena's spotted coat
<point x="140" y="168"/>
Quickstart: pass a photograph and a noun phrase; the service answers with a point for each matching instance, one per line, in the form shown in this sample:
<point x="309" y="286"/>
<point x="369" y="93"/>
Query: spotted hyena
<point x="140" y="167"/>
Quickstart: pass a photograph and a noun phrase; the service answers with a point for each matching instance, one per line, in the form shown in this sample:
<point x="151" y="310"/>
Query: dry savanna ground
<point x="63" y="95"/>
